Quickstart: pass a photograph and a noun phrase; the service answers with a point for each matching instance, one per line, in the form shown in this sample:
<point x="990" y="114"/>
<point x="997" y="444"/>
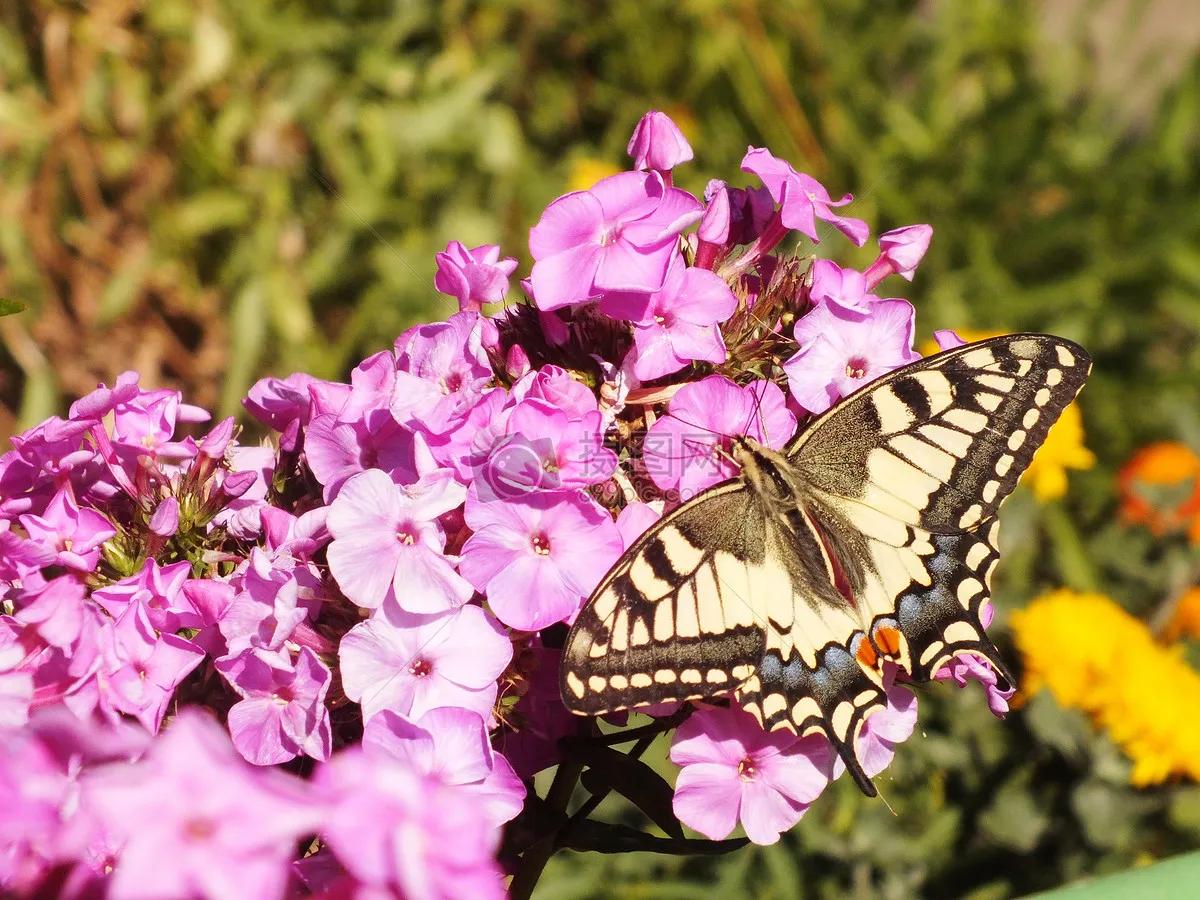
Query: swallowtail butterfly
<point x="871" y="537"/>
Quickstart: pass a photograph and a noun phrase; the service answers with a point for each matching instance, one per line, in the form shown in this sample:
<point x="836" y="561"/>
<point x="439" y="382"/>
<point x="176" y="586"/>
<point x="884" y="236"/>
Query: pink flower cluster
<point x="371" y="605"/>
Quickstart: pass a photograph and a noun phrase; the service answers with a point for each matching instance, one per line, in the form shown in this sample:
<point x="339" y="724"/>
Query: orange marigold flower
<point x="1160" y="488"/>
<point x="1185" y="620"/>
<point x="1094" y="656"/>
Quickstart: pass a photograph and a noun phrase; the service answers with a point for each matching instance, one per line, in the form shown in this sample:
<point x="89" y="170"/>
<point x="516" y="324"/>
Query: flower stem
<point x="1068" y="547"/>
<point x="533" y="860"/>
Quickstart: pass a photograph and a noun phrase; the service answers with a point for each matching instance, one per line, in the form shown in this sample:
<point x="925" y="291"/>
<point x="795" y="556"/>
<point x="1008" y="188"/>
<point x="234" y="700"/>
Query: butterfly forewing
<point x="940" y="444"/>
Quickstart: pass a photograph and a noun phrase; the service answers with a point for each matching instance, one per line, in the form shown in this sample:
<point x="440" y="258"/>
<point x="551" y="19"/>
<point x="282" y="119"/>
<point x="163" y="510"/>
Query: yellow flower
<point x="1094" y="656"/>
<point x="586" y="171"/>
<point x="1063" y="449"/>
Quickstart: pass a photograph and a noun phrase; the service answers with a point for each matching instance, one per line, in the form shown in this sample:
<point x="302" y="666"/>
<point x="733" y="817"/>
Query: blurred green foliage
<point x="210" y="191"/>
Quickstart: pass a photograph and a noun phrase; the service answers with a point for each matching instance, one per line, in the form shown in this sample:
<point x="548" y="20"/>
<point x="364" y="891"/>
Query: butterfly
<point x="870" y="539"/>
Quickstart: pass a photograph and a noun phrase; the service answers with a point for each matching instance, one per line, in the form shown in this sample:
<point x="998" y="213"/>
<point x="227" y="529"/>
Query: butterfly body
<point x="870" y="540"/>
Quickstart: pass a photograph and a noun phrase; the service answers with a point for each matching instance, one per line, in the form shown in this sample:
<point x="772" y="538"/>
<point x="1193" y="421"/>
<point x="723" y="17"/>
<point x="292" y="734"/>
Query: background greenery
<point x="208" y="191"/>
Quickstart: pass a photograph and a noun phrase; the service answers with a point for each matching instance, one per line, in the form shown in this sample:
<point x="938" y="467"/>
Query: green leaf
<point x="1175" y="877"/>
<point x="11" y="307"/>
<point x="633" y="780"/>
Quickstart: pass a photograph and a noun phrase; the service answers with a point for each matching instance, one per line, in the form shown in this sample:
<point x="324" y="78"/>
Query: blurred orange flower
<point x="1160" y="488"/>
<point x="1093" y="655"/>
<point x="1185" y="620"/>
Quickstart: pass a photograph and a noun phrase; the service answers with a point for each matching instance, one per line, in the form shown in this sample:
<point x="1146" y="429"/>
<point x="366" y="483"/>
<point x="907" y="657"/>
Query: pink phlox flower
<point x="717" y="222"/>
<point x="451" y="744"/>
<point x="299" y="536"/>
<point x="635" y="519"/>
<point x="282" y="404"/>
<point x="801" y="198"/>
<point x="276" y="592"/>
<point x="55" y="611"/>
<point x="620" y="235"/>
<point x="103" y="400"/>
<point x="538" y="559"/>
<point x="733" y="771"/>
<point x="336" y="450"/>
<point x="972" y="667"/>
<point x="16" y="681"/>
<point x="164" y="522"/>
<point x="842" y="351"/>
<point x="555" y="385"/>
<point x="137" y="670"/>
<point x="241" y="515"/>
<point x="401" y="833"/>
<point x="543" y="718"/>
<point x="947" y="339"/>
<point x="466" y="448"/>
<point x="677" y="324"/>
<point x="688" y="449"/>
<point x="901" y="251"/>
<point x="42" y="822"/>
<point x="844" y="288"/>
<point x="74" y="534"/>
<point x="735" y="215"/>
<point x="410" y="664"/>
<point x="282" y="713"/>
<point x="210" y="601"/>
<point x="441" y="370"/>
<point x="158" y="590"/>
<point x="544" y="450"/>
<point x="145" y="424"/>
<point x="193" y="819"/>
<point x="40" y="459"/>
<point x="473" y="277"/>
<point x="884" y="729"/>
<point x="657" y="143"/>
<point x="387" y="542"/>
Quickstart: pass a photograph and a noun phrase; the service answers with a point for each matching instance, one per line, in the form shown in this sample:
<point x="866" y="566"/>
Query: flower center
<point x="610" y="235"/>
<point x="406" y="534"/>
<point x="665" y="320"/>
<point x="747" y="769"/>
<point x="856" y="367"/>
<point x="420" y="668"/>
<point x="199" y="829"/>
<point x="452" y="383"/>
<point x="541" y="544"/>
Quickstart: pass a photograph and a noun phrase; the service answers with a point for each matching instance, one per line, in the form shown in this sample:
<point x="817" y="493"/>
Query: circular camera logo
<point x="517" y="466"/>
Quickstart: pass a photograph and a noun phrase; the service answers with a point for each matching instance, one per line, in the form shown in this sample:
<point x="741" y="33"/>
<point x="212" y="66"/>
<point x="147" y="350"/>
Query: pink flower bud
<point x="901" y="251"/>
<point x="165" y="521"/>
<point x="657" y="143"/>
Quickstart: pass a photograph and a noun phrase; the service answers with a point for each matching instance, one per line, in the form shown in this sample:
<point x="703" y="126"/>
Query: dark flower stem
<point x="533" y="860"/>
